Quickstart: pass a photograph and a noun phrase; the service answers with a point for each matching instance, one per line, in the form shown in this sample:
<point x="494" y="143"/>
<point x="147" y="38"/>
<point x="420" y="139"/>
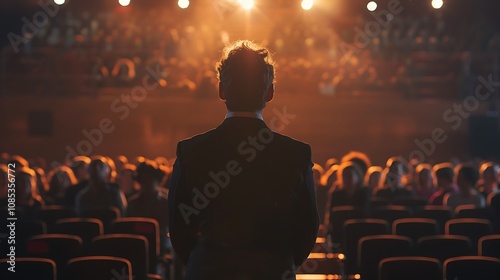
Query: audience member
<point x="127" y="180"/>
<point x="466" y="179"/>
<point x="359" y="158"/>
<point x="151" y="201"/>
<point x="80" y="166"/>
<point x="99" y="194"/>
<point x="350" y="190"/>
<point x="444" y="178"/>
<point x="27" y="198"/>
<point x="392" y="181"/>
<point x="60" y="179"/>
<point x="373" y="177"/>
<point x="424" y="181"/>
<point x="489" y="183"/>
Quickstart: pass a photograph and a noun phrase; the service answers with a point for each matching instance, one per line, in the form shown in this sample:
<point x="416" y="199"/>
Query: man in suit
<point x="242" y="202"/>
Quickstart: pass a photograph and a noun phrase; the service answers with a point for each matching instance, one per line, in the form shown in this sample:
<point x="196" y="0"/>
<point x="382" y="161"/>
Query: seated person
<point x="126" y="180"/>
<point x="59" y="179"/>
<point x="27" y="199"/>
<point x="489" y="178"/>
<point x="99" y="194"/>
<point x="349" y="190"/>
<point x="444" y="176"/>
<point x="392" y="179"/>
<point x="466" y="178"/>
<point x="80" y="166"/>
<point x="424" y="181"/>
<point x="151" y="201"/>
<point x="372" y="177"/>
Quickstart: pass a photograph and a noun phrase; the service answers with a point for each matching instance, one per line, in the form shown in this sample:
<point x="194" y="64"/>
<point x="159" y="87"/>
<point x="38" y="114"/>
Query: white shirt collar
<point x="256" y="115"/>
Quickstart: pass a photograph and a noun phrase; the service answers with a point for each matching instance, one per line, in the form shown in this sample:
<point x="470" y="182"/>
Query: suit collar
<point x="256" y="115"/>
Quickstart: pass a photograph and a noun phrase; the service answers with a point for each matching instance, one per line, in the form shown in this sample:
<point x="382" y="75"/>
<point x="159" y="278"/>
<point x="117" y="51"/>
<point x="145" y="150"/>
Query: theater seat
<point x="30" y="268"/>
<point x="50" y="214"/>
<point x="99" y="268"/>
<point x="373" y="249"/>
<point x="146" y="227"/>
<point x="128" y="246"/>
<point x="471" y="268"/>
<point x="58" y="247"/>
<point x="489" y="246"/>
<point x="410" y="268"/>
<point x="443" y="247"/>
<point x="85" y="228"/>
<point x="106" y="216"/>
<point x="415" y="228"/>
<point x="354" y="230"/>
<point x="470" y="227"/>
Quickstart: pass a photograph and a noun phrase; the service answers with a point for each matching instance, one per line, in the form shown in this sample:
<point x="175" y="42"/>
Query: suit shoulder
<point x="292" y="143"/>
<point x="189" y="142"/>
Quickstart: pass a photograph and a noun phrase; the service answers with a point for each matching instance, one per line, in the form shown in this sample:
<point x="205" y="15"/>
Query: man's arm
<point x="306" y="221"/>
<point x="181" y="234"/>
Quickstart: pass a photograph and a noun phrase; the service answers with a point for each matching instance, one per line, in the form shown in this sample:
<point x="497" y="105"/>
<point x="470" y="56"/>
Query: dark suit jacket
<point x="242" y="203"/>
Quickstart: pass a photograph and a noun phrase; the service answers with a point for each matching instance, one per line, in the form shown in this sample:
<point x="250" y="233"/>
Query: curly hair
<point x="245" y="72"/>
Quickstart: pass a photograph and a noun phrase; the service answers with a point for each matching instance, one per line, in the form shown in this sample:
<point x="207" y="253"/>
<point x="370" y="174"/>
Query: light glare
<point x="307" y="4"/>
<point x="124" y="3"/>
<point x="183" y="4"/>
<point x="437" y="4"/>
<point x="371" y="6"/>
<point x="247" y="4"/>
<point x="59" y="2"/>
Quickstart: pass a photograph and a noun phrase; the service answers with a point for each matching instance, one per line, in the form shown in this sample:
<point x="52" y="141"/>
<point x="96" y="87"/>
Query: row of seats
<point x="363" y="238"/>
<point x="81" y="268"/>
<point x="57" y="235"/>
<point x="441" y="214"/>
<point x="370" y="251"/>
<point x="419" y="268"/>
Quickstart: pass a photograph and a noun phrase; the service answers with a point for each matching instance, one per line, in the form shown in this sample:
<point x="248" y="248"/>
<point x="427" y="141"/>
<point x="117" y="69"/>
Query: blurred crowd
<point x="139" y="187"/>
<point x="114" y="49"/>
<point x="354" y="181"/>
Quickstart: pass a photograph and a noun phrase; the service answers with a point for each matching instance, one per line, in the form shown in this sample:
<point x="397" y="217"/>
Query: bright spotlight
<point x="183" y="4"/>
<point x="247" y="4"/>
<point x="124" y="3"/>
<point x="59" y="2"/>
<point x="371" y="6"/>
<point x="437" y="4"/>
<point x="307" y="4"/>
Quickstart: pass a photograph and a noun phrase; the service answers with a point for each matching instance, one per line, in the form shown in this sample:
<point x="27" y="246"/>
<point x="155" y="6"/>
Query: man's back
<point x="242" y="202"/>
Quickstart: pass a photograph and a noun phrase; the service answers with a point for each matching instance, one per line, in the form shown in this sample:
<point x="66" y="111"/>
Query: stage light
<point x="59" y="2"/>
<point x="437" y="4"/>
<point x="247" y="4"/>
<point x="307" y="4"/>
<point x="124" y="3"/>
<point x="183" y="4"/>
<point x="371" y="6"/>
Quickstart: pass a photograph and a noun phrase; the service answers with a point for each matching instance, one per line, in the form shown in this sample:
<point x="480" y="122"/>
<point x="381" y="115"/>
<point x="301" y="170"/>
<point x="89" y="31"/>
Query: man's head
<point x="395" y="171"/>
<point x="79" y="165"/>
<point x="467" y="176"/>
<point x="444" y="175"/>
<point x="490" y="173"/>
<point x="246" y="76"/>
<point x="98" y="169"/>
<point x="149" y="175"/>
